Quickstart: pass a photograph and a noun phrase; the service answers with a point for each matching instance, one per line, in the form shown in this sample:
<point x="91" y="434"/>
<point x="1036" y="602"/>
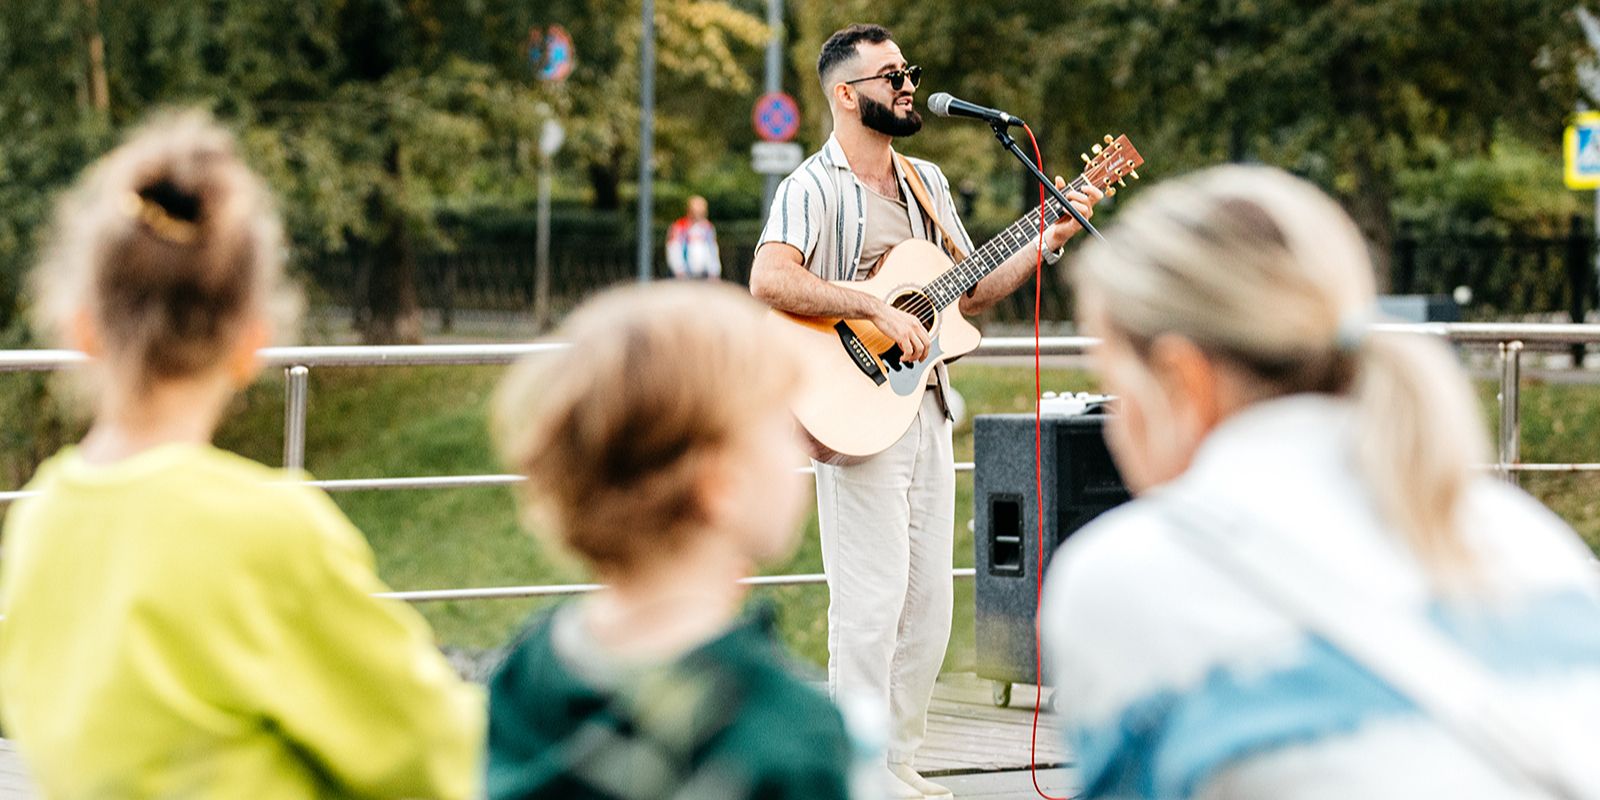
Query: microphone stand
<point x="1002" y="132"/>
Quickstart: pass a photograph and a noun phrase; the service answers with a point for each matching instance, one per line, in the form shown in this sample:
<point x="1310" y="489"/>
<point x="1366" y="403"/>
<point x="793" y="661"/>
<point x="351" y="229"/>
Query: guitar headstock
<point x="1112" y="163"/>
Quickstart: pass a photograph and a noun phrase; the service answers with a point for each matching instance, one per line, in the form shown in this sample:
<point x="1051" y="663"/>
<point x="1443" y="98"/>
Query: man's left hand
<point x="1066" y="227"/>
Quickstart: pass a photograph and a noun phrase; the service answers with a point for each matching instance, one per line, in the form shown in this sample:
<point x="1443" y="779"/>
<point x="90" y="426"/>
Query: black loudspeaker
<point x="1080" y="483"/>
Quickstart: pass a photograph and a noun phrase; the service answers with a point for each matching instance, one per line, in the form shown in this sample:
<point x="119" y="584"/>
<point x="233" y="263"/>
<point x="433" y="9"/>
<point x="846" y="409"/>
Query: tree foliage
<point x="1350" y="93"/>
<point x="364" y="115"/>
<point x="368" y="116"/>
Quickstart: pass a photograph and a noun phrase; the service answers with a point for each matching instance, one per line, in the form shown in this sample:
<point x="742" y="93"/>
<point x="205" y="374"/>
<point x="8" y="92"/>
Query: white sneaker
<point x="896" y="789"/>
<point x="909" y="777"/>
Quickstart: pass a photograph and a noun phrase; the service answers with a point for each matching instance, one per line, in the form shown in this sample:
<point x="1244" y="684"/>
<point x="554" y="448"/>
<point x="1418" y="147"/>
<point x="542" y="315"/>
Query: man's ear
<point x="844" y="96"/>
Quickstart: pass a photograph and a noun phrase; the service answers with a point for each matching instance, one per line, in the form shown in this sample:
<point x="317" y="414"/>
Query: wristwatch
<point x="1052" y="256"/>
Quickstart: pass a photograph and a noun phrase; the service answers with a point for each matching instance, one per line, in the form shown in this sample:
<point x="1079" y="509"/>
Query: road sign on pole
<point x="776" y="117"/>
<point x="775" y="158"/>
<point x="1582" y="148"/>
<point x="550" y="53"/>
<point x="774" y="84"/>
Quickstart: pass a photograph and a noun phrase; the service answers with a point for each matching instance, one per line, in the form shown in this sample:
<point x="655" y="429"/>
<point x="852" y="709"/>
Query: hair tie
<point x="160" y="222"/>
<point x="1354" y="326"/>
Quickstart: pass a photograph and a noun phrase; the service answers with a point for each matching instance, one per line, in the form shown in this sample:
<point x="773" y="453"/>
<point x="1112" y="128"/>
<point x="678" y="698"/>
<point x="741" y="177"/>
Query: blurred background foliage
<point x="380" y="121"/>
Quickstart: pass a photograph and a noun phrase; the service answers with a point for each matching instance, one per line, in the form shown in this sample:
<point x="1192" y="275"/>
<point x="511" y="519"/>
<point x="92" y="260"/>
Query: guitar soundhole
<point x="917" y="305"/>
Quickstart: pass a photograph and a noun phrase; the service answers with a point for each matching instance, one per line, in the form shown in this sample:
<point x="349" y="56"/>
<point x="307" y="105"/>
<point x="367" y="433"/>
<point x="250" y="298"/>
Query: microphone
<point x="944" y="105"/>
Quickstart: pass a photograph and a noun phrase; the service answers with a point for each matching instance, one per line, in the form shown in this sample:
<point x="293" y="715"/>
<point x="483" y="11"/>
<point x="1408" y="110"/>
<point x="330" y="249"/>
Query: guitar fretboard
<point x="965" y="274"/>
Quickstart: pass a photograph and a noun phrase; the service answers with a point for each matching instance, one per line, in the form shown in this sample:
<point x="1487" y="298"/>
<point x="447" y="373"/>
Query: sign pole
<point x="773" y="86"/>
<point x="552" y="57"/>
<point x="550" y="138"/>
<point x="541" y="256"/>
<point x="1580" y="148"/>
<point x="647" y="137"/>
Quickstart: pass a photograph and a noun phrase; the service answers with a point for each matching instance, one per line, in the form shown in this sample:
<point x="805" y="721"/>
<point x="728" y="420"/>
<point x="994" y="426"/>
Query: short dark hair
<point x="841" y="47"/>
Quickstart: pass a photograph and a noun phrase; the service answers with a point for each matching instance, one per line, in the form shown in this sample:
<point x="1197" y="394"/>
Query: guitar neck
<point x="949" y="287"/>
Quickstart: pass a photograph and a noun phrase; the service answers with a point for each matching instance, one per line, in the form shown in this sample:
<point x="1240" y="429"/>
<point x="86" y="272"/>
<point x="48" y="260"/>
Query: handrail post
<point x="1509" y="450"/>
<point x="296" y="380"/>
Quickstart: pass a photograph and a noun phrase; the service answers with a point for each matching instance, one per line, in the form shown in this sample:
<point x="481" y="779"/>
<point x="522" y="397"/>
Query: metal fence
<point x="1508" y="340"/>
<point x="482" y="282"/>
<point x="1516" y="275"/>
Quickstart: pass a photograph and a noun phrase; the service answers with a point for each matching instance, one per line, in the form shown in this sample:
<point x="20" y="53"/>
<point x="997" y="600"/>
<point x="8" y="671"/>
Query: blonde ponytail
<point x="1418" y="433"/>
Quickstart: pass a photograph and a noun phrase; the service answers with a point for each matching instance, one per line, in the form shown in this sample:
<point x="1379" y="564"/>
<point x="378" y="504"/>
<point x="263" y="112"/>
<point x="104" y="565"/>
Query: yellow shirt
<point x="184" y="624"/>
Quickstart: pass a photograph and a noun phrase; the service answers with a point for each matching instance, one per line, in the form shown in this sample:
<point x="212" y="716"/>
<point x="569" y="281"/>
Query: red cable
<point x="1038" y="487"/>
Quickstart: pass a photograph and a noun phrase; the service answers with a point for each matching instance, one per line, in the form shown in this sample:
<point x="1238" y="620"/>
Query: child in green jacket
<point x="181" y="622"/>
<point x="660" y="450"/>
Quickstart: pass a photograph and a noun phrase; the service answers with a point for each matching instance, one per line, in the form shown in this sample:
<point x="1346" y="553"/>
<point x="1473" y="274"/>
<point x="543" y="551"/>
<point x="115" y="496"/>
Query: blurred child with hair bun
<point x="180" y="621"/>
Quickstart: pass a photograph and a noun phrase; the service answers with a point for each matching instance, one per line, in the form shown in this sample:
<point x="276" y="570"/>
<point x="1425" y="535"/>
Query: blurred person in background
<point x="660" y="451"/>
<point x="181" y="621"/>
<point x="692" y="244"/>
<point x="1340" y="467"/>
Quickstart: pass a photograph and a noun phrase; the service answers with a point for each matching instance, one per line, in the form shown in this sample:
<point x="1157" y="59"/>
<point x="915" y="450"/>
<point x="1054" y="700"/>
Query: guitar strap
<point x="925" y="203"/>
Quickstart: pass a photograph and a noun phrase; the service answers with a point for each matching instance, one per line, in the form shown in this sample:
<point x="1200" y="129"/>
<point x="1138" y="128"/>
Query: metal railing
<point x="297" y="363"/>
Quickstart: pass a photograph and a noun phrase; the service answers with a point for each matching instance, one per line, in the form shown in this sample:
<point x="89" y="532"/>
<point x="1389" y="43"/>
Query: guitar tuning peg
<point x="1095" y="149"/>
<point x="1108" y="139"/>
<point x="1111" y="191"/>
<point x="1084" y="156"/>
<point x="1122" y="183"/>
<point x="1134" y="173"/>
<point x="1119" y="145"/>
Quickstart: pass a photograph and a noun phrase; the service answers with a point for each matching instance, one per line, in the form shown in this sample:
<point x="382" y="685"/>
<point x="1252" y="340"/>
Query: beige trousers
<point x="887" y="527"/>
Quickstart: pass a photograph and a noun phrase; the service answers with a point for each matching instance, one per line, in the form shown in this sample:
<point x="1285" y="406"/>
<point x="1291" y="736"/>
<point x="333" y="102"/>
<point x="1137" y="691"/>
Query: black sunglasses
<point x="896" y="78"/>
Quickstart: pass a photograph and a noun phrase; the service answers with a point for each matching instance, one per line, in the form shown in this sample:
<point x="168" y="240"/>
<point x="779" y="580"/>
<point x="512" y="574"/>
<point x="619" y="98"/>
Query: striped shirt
<point x="820" y="210"/>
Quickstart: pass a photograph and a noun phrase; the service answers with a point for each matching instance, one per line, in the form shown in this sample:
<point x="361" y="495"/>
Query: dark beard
<point x="882" y="119"/>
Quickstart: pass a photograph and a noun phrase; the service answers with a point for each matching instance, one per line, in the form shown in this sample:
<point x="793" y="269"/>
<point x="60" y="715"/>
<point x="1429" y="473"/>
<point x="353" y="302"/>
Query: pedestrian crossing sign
<point x="1582" y="147"/>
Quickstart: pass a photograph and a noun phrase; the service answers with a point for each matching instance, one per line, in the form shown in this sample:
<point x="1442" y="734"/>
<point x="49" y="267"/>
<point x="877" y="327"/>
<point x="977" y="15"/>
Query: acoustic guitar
<point x="858" y="396"/>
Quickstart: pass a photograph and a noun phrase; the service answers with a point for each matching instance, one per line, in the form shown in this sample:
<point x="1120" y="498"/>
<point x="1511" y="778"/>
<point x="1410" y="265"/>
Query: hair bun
<point x="170" y="213"/>
<point x="176" y="202"/>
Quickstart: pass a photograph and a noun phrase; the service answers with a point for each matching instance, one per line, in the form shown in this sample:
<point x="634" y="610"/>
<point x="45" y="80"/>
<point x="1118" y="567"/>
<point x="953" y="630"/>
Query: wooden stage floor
<point x="967" y="733"/>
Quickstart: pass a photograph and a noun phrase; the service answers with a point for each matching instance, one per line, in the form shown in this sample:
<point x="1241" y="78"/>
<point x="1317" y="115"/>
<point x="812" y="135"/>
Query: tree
<point x="1349" y="93"/>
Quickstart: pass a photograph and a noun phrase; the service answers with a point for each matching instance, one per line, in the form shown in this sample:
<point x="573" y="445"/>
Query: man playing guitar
<point x="887" y="522"/>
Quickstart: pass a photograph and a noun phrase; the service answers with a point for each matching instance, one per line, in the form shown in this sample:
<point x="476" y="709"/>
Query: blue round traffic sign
<point x="776" y="117"/>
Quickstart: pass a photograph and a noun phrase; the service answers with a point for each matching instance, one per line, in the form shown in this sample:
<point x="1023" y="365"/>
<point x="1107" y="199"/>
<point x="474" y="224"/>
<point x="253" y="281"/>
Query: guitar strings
<point x="1015" y="229"/>
<point x="922" y="305"/>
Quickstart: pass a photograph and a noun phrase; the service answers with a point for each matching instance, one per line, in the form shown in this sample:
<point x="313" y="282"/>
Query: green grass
<point x="393" y="422"/>
<point x="430" y="421"/>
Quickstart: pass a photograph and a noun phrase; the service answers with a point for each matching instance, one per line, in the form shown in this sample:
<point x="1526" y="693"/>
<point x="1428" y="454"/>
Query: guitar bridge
<point x="859" y="353"/>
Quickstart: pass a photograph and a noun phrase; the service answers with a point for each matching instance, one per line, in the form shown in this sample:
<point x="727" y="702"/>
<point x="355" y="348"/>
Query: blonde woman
<point x="1308" y="510"/>
<point x="180" y="621"/>
<point x="660" y="452"/>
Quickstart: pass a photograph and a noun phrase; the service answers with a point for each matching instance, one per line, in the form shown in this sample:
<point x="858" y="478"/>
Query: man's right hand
<point x="905" y="330"/>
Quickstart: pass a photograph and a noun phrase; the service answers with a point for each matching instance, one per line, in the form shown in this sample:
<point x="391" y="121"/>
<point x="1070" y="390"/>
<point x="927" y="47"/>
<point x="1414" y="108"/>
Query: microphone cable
<point x="1038" y="485"/>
